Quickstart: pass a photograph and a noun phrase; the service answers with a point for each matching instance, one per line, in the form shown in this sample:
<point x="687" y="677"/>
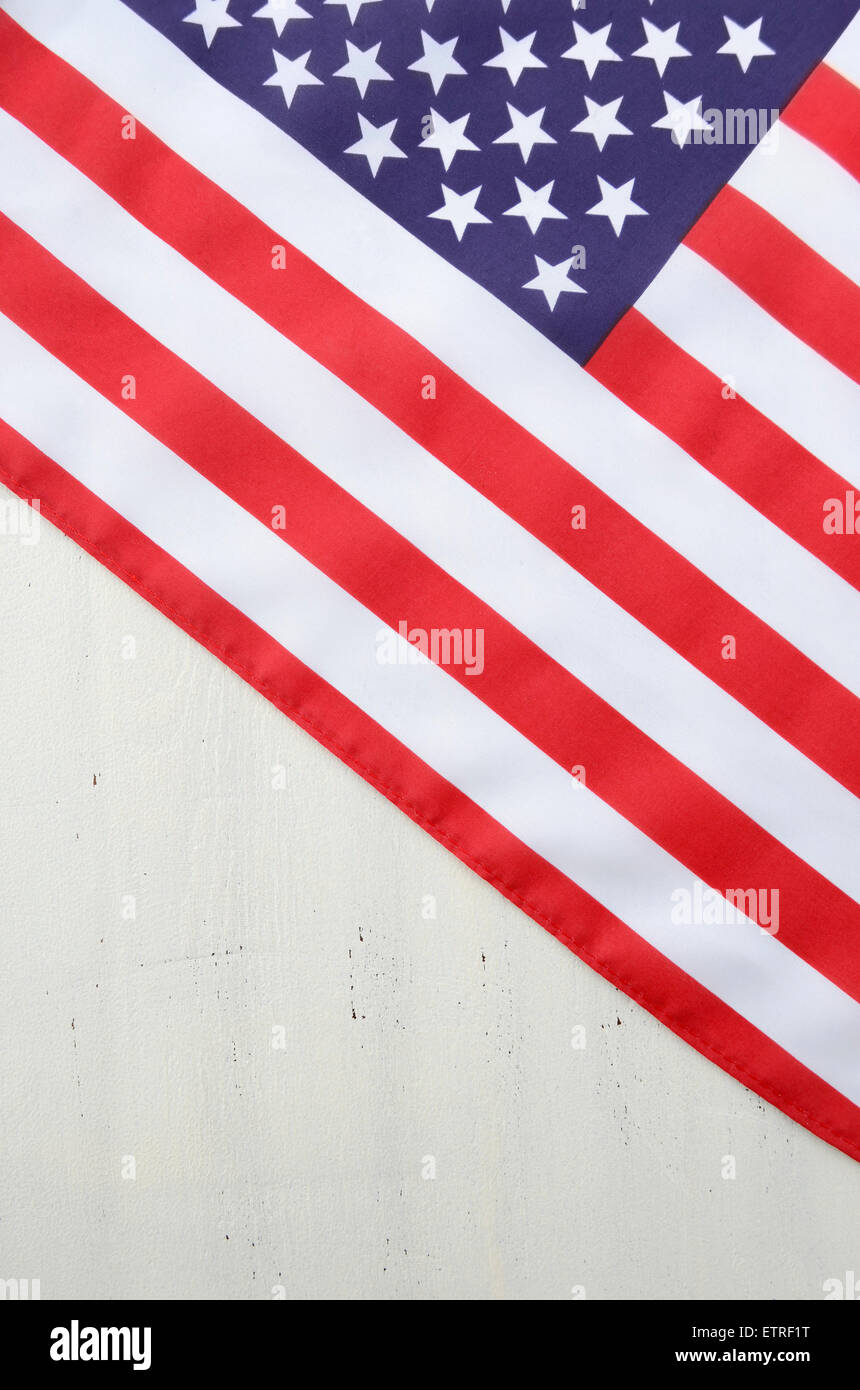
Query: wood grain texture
<point x="274" y="890"/>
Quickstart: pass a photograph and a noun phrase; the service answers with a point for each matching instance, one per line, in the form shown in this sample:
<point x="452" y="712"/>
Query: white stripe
<point x="809" y="193"/>
<point x="844" y="56"/>
<point x="702" y="311"/>
<point x="252" y="568"/>
<point x="486" y="343"/>
<point x="476" y="543"/>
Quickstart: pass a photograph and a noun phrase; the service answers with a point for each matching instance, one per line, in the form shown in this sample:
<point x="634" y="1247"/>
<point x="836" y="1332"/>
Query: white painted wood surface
<point x="305" y="1167"/>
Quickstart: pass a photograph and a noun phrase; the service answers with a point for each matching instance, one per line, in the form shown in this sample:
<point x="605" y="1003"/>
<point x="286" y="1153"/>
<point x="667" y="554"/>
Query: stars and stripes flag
<point x="478" y="379"/>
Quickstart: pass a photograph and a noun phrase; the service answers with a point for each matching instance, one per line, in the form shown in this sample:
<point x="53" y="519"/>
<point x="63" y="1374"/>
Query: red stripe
<point x="467" y="433"/>
<point x="528" y="881"/>
<point x="550" y="707"/>
<point x="729" y="437"/>
<point x="796" y="286"/>
<point x="826" y="111"/>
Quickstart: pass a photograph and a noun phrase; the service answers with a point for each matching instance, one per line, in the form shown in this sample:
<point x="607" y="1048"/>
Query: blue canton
<point x="556" y="151"/>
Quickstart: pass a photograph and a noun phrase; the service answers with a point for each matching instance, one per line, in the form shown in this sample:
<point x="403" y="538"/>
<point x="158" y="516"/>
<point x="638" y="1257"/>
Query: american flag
<point x="478" y="379"/>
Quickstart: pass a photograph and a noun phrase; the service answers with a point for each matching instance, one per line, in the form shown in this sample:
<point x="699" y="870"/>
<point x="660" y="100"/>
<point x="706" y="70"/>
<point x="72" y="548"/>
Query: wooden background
<point x="238" y="1062"/>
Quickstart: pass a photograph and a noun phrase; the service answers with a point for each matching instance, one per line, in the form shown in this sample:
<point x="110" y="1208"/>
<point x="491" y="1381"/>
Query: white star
<point x="662" y="45"/>
<point x="516" y="55"/>
<point x="591" y="49"/>
<point x="290" y="74"/>
<point x="376" y="143"/>
<point x="363" y="67"/>
<point x="448" y="137"/>
<point x="525" y="131"/>
<point x="682" y="117"/>
<point x="353" y="6"/>
<point x="602" y="121"/>
<point x="280" y="12"/>
<point x="552" y="281"/>
<point x="616" y="204"/>
<point x="460" y="210"/>
<point x="438" y="61"/>
<point x="535" y="205"/>
<point x="745" y="44"/>
<point x="212" y="15"/>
